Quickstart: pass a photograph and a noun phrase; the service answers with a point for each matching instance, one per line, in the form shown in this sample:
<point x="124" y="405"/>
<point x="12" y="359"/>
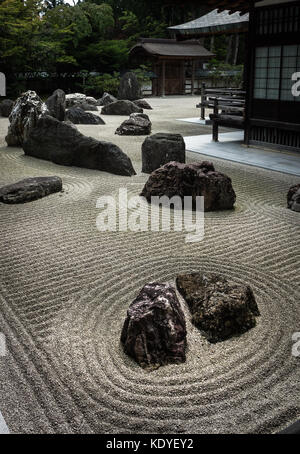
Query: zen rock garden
<point x="154" y="332"/>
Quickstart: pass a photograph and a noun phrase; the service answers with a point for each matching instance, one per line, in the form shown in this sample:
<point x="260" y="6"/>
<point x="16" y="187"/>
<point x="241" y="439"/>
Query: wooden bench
<point x="231" y="116"/>
<point x="232" y="96"/>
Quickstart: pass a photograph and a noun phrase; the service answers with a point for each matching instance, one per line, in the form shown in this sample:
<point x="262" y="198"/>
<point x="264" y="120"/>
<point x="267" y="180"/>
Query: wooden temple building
<point x="172" y="63"/>
<point x="272" y="69"/>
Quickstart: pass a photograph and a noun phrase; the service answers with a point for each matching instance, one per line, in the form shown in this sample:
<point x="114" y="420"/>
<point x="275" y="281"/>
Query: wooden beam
<point x="193" y="78"/>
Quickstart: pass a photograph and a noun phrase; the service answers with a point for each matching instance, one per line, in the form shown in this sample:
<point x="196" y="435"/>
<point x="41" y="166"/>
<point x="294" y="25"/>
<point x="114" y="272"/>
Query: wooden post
<point x="193" y="77"/>
<point x="203" y="98"/>
<point x="215" y="131"/>
<point x="163" y="79"/>
<point x="182" y="72"/>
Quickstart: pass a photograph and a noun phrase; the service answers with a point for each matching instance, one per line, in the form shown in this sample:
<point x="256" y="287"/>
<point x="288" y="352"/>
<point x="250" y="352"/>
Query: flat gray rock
<point x="30" y="189"/>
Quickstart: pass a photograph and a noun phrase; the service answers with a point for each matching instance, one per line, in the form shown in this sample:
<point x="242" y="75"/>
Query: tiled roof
<point x="213" y="22"/>
<point x="172" y="48"/>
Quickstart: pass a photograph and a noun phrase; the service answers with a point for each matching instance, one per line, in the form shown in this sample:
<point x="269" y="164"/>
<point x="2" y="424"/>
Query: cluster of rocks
<point x="138" y="124"/>
<point x="75" y="99"/>
<point x="42" y="132"/>
<point x="293" y="198"/>
<point x="154" y="331"/>
<point x="30" y="189"/>
<point x="192" y="180"/>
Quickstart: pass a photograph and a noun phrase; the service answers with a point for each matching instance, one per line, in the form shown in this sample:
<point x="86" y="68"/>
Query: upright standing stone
<point x="154" y="332"/>
<point x="161" y="148"/>
<point x="129" y="87"/>
<point x="56" y="104"/>
<point x="24" y="116"/>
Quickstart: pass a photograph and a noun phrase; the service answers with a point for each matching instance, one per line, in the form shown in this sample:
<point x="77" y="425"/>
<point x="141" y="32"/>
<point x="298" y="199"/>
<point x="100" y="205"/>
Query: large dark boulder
<point x="154" y="332"/>
<point x="79" y="117"/>
<point x="130" y="87"/>
<point x="6" y="107"/>
<point x="143" y="104"/>
<point x="56" y="105"/>
<point x="24" y="116"/>
<point x="63" y="144"/>
<point x="137" y="125"/>
<point x="106" y="99"/>
<point x="293" y="198"/>
<point x="197" y="179"/>
<point x="121" y="108"/>
<point x="161" y="148"/>
<point x="219" y="308"/>
<point x="30" y="189"/>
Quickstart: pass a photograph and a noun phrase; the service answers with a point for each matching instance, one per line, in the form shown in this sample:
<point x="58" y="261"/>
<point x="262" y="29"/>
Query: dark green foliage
<point x="50" y="39"/>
